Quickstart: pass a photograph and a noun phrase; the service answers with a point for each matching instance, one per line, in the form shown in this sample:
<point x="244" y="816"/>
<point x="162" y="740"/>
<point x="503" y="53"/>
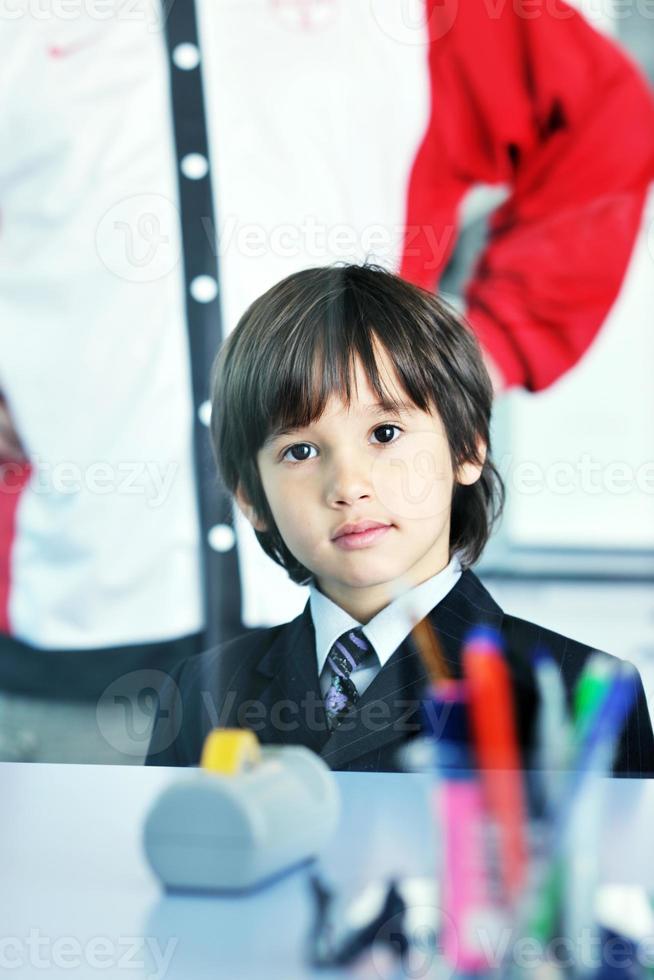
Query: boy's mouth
<point x="357" y="527"/>
<point x="368" y="533"/>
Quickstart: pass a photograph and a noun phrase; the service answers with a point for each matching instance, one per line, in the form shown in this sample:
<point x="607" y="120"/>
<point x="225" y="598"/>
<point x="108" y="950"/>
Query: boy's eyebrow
<point x="379" y="408"/>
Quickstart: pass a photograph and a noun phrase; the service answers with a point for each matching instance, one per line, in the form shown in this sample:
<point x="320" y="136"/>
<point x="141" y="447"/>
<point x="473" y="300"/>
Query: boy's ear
<point x="248" y="510"/>
<point x="470" y="471"/>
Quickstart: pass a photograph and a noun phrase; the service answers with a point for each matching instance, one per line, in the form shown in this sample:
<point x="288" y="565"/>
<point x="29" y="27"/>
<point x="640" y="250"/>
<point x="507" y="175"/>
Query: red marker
<point x="494" y="729"/>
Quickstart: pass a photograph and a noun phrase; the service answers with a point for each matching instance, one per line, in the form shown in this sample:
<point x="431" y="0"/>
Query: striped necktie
<point x="344" y="657"/>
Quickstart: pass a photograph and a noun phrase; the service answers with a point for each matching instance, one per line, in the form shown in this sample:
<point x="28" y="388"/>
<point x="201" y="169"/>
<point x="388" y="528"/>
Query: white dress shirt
<point x="385" y="631"/>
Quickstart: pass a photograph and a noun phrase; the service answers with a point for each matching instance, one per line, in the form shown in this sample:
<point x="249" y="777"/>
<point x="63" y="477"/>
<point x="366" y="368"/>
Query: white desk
<point x="77" y="895"/>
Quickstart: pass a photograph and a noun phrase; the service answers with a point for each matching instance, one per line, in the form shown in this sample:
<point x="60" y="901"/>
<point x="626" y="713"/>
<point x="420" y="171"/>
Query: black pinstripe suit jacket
<point x="267" y="680"/>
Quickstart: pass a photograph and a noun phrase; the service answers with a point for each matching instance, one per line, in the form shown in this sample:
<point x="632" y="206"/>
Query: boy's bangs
<point x="320" y="362"/>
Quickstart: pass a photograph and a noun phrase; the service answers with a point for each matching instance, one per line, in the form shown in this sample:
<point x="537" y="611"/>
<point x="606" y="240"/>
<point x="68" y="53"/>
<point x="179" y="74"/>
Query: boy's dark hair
<point x="296" y="345"/>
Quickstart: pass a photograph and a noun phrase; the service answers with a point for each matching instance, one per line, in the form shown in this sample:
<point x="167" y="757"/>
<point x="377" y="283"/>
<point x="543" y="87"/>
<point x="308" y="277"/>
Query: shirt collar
<point x="391" y="626"/>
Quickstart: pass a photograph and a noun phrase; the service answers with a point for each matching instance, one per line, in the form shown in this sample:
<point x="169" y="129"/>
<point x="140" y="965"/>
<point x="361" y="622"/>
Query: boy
<point x="350" y="419"/>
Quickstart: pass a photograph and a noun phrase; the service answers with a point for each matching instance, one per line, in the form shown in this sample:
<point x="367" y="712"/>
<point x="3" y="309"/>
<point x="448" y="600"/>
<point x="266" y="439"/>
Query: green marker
<point x="547" y="907"/>
<point x="591" y="689"/>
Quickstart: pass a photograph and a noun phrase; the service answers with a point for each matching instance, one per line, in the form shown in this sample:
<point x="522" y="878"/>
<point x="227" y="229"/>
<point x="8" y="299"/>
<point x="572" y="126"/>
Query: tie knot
<point x="348" y="652"/>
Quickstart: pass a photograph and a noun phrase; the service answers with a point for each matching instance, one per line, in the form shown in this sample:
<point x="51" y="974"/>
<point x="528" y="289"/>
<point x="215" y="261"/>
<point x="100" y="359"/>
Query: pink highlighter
<point x="461" y="815"/>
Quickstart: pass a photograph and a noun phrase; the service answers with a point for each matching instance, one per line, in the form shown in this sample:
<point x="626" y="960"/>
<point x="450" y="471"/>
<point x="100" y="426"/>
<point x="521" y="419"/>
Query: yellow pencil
<point x="424" y="637"/>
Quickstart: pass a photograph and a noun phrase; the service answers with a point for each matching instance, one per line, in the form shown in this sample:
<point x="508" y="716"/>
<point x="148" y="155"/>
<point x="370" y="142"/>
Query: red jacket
<point x="542" y="102"/>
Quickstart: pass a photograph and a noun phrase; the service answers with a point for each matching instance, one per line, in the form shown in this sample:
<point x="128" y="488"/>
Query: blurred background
<point x="164" y="164"/>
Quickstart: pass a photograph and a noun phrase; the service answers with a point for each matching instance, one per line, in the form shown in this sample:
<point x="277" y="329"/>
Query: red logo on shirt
<point x="305" y="15"/>
<point x="73" y="47"/>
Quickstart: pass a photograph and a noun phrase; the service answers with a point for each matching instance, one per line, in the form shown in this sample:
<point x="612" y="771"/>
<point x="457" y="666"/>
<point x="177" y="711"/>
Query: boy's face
<point x="363" y="465"/>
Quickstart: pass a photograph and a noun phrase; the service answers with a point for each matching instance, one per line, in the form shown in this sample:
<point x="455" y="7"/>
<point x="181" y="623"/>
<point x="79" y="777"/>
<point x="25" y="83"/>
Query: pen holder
<point x="517" y="848"/>
<point x="549" y="922"/>
<point x="248" y="814"/>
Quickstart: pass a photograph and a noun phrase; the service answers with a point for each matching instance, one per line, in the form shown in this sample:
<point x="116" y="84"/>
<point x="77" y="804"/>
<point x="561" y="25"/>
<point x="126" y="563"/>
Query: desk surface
<point x="78" y="899"/>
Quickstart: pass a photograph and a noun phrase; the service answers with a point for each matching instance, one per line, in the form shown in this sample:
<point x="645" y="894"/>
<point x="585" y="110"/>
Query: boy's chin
<point x="359" y="579"/>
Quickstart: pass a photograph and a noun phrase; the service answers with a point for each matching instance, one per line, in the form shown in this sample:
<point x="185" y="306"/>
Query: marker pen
<point x="494" y="728"/>
<point x="605" y="695"/>
<point x="553" y="727"/>
<point x="462" y="819"/>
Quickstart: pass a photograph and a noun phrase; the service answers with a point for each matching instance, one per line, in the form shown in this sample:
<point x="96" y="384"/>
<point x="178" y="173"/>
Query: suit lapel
<point x="401" y="686"/>
<point x="388" y="711"/>
<point x="290" y="691"/>
<point x="467" y="605"/>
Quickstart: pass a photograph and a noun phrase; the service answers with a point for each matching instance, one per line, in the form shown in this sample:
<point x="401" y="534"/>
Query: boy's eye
<point x="386" y="426"/>
<point x="298" y="445"/>
<point x="301" y="447"/>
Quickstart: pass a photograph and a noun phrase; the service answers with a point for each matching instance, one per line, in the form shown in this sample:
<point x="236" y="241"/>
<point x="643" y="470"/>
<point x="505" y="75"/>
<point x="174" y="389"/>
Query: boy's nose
<point x="350" y="481"/>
